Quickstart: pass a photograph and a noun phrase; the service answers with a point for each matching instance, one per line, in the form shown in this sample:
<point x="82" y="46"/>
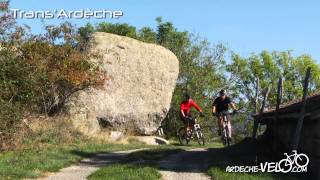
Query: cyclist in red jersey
<point x="185" y="108"/>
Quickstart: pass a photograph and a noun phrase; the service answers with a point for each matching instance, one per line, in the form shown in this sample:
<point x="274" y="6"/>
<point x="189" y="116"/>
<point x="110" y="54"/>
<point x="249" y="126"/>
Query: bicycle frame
<point x="194" y="127"/>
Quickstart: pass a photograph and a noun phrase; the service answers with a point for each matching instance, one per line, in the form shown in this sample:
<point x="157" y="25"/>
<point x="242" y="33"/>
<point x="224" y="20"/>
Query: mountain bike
<point x="194" y="132"/>
<point x="160" y="132"/>
<point x="164" y="128"/>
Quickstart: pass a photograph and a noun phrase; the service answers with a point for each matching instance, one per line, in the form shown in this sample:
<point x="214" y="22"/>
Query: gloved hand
<point x="235" y="111"/>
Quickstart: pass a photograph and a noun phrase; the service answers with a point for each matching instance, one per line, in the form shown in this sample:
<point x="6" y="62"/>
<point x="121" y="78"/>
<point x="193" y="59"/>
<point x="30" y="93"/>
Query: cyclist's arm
<point x="233" y="106"/>
<point x="213" y="108"/>
<point x="181" y="111"/>
<point x="196" y="106"/>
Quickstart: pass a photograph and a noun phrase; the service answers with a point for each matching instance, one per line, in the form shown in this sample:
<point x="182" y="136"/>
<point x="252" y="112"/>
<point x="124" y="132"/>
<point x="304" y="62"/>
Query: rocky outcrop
<point x="137" y="92"/>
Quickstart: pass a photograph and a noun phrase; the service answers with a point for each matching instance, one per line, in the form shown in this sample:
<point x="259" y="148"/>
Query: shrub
<point x="39" y="72"/>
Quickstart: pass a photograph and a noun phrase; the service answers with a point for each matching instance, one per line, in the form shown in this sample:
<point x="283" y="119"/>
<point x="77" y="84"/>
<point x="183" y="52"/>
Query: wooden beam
<point x="296" y="137"/>
<point x="256" y="122"/>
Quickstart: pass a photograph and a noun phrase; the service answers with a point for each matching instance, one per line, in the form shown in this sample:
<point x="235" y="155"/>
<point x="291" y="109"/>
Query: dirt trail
<point x="191" y="164"/>
<point x="88" y="166"/>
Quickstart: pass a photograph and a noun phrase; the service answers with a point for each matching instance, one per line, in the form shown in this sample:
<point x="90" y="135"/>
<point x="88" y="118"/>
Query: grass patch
<point x="220" y="174"/>
<point x="144" y="165"/>
<point x="194" y="144"/>
<point x="126" y="171"/>
<point x="39" y="157"/>
<point x="33" y="162"/>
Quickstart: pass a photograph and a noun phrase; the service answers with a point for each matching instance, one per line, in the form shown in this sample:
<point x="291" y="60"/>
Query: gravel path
<point x="186" y="165"/>
<point x="88" y="166"/>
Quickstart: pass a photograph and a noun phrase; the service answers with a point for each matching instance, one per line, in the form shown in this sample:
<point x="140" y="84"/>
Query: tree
<point x="120" y="29"/>
<point x="86" y="31"/>
<point x="146" y="34"/>
<point x="268" y="67"/>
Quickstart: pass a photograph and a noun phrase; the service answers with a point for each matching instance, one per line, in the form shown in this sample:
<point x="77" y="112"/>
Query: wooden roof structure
<point x="291" y="110"/>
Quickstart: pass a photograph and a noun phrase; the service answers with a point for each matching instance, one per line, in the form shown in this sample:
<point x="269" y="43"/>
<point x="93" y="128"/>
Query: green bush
<point x="10" y="117"/>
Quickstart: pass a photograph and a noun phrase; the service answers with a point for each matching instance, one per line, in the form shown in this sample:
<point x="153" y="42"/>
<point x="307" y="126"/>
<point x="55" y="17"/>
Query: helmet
<point x="186" y="96"/>
<point x="222" y="92"/>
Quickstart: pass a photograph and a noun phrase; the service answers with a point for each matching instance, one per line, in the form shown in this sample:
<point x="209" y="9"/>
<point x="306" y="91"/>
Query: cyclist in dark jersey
<point x="221" y="104"/>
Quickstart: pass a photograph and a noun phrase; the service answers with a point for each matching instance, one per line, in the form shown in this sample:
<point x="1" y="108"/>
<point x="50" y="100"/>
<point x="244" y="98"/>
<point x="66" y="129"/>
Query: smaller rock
<point x="152" y="140"/>
<point x="116" y="135"/>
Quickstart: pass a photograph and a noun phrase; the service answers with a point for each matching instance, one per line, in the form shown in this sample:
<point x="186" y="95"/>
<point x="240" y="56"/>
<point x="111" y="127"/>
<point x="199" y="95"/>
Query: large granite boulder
<point x="141" y="78"/>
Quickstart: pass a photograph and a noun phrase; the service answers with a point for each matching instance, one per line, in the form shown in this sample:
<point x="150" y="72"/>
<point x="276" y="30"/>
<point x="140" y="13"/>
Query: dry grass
<point x="38" y="131"/>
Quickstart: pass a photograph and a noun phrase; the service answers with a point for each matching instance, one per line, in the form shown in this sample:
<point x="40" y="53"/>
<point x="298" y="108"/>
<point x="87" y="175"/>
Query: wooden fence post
<point x="256" y="124"/>
<point x="296" y="137"/>
<point x="275" y="121"/>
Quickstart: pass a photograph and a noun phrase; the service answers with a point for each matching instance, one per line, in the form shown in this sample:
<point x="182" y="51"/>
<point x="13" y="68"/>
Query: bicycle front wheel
<point x="227" y="138"/>
<point x="224" y="137"/>
<point x="200" y="137"/>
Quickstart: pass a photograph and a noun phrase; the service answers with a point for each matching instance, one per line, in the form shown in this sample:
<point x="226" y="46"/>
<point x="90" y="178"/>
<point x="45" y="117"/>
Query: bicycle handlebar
<point x="231" y="113"/>
<point x="199" y="114"/>
<point x="225" y="113"/>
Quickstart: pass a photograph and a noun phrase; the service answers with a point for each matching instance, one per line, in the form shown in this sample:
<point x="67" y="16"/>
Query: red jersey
<point x="186" y="106"/>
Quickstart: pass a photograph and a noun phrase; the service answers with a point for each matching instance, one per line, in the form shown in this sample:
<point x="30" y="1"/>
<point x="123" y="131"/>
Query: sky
<point x="244" y="26"/>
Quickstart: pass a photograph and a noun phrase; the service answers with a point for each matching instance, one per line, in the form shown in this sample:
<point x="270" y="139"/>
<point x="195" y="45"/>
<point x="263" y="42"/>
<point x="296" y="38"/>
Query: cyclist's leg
<point x="190" y="120"/>
<point x="220" y="124"/>
<point x="189" y="125"/>
<point x="229" y="126"/>
<point x="185" y="123"/>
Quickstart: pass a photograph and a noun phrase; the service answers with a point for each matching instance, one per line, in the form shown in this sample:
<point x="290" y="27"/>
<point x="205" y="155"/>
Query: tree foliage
<point x="268" y="68"/>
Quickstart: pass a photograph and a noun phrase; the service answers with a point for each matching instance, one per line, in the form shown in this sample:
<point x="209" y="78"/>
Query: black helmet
<point x="222" y="92"/>
<point x="186" y="96"/>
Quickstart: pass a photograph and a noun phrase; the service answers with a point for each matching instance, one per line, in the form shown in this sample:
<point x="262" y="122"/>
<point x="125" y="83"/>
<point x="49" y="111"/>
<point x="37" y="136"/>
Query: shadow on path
<point x="172" y="162"/>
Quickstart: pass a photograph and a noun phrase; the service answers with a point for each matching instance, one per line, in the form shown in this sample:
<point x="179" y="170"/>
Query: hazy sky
<point x="245" y="26"/>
